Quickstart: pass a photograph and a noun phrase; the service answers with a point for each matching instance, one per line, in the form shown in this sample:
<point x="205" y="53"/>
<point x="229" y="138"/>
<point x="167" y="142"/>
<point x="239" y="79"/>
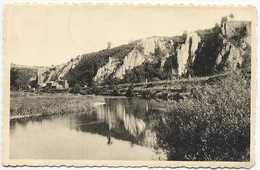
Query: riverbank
<point x="29" y="105"/>
<point x="212" y="126"/>
<point x="166" y="90"/>
<point x="25" y="105"/>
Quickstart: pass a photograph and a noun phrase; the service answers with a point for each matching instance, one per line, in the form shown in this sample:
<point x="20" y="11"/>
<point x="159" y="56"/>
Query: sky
<point x="47" y="35"/>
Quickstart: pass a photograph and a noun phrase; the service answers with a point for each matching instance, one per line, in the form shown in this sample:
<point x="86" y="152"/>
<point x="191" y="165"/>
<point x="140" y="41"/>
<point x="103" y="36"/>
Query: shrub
<point x="147" y="94"/>
<point x="96" y="90"/>
<point x="215" y="126"/>
<point x="129" y="92"/>
<point x="76" y="88"/>
<point x="115" y="91"/>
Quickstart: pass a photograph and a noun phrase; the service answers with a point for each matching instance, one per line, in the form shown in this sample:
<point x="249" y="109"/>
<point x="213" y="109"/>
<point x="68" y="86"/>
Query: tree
<point x="13" y="77"/>
<point x="76" y="88"/>
<point x="20" y="78"/>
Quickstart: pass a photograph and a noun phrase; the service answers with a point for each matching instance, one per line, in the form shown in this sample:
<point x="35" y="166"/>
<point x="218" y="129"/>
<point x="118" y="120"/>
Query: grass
<point x="26" y="104"/>
<point x="214" y="125"/>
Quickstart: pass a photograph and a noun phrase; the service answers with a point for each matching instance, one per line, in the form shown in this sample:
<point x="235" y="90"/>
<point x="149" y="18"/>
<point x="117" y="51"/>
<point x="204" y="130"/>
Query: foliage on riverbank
<point x="23" y="105"/>
<point x="215" y="125"/>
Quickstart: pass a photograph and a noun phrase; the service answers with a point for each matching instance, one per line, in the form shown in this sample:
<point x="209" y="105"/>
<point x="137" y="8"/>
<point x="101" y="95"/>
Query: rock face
<point x="133" y="59"/>
<point x="186" y="54"/>
<point x="199" y="53"/>
<point x="230" y="55"/>
<point x="64" y="69"/>
<point x="144" y="52"/>
<point x="107" y="70"/>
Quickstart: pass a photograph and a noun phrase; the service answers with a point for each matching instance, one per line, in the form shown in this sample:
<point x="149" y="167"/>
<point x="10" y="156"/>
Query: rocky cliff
<point x="200" y="53"/>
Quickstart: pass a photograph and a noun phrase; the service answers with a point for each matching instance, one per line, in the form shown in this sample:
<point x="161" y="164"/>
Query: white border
<point x="153" y="2"/>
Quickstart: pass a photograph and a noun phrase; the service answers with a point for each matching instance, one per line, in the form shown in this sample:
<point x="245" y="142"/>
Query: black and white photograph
<point x="148" y="84"/>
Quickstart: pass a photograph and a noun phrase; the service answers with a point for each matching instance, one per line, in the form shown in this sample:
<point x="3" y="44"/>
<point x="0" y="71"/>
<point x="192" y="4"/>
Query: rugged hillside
<point x="23" y="77"/>
<point x="201" y="53"/>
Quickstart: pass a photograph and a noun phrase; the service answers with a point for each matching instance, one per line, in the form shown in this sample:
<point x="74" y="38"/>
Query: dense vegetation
<point x="20" y="78"/>
<point x="146" y="71"/>
<point x="87" y="68"/>
<point x="214" y="125"/>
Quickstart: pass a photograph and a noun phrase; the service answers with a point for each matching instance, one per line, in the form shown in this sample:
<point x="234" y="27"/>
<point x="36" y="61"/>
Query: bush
<point x="147" y="94"/>
<point x="129" y="92"/>
<point x="215" y="126"/>
<point x="115" y="91"/>
<point x="76" y="88"/>
<point x="96" y="90"/>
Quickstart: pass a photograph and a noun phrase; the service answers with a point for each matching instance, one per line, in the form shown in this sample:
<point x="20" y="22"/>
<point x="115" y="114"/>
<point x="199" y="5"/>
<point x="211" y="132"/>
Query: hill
<point x="225" y="47"/>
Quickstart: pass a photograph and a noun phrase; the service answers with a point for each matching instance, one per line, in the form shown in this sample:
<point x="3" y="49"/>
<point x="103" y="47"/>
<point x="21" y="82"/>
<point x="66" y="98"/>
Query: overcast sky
<point x="46" y="35"/>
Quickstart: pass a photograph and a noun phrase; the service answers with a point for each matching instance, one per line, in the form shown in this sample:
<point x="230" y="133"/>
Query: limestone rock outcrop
<point x="199" y="53"/>
<point x="144" y="52"/>
<point x="186" y="54"/>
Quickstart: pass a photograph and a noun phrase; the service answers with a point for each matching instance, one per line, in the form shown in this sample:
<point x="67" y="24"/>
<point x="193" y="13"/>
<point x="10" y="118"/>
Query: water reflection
<point x="120" y="118"/>
<point x="114" y="120"/>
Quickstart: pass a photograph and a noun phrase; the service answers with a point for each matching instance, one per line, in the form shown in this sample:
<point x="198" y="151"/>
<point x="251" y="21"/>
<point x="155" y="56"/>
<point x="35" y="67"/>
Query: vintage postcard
<point x="156" y="86"/>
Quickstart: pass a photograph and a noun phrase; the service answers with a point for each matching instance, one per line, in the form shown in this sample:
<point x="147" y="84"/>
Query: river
<point x="120" y="128"/>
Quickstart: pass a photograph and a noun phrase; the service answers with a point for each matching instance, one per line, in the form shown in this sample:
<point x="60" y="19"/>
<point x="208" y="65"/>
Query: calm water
<point x="119" y="129"/>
